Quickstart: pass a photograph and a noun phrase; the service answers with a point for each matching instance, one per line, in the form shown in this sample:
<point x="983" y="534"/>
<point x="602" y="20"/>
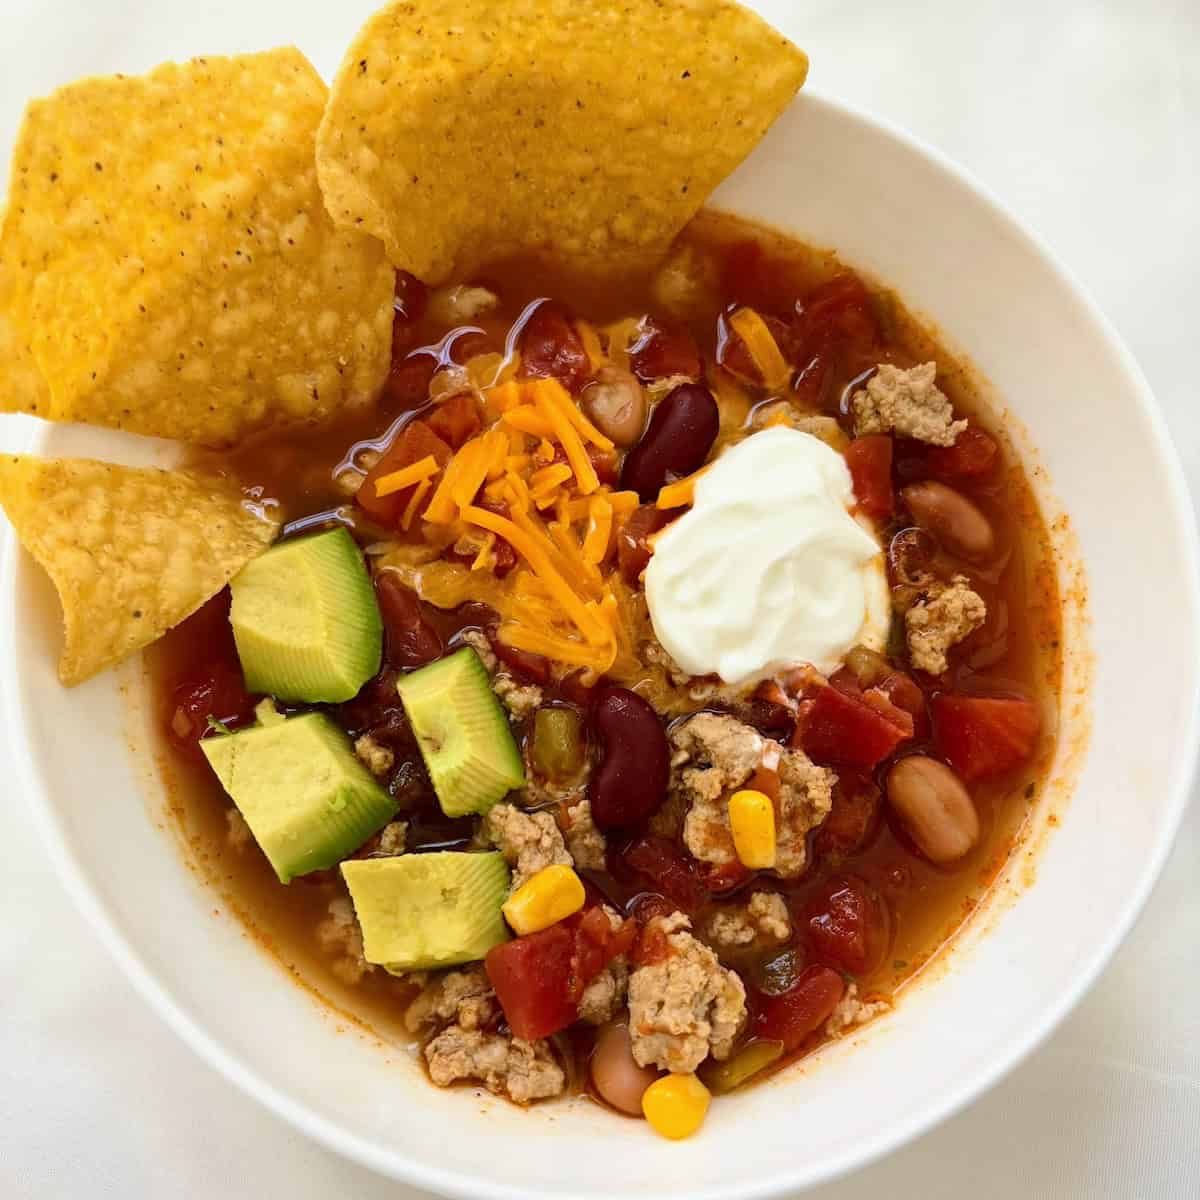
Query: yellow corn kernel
<point x="549" y="896"/>
<point x="752" y="820"/>
<point x="676" y="1105"/>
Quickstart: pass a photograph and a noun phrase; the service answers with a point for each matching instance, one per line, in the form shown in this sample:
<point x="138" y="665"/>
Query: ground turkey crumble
<point x="528" y="841"/>
<point x="686" y="1007"/>
<point x="376" y="757"/>
<point x="585" y="843"/>
<point x="764" y="921"/>
<point x="524" y="1071"/>
<point x="604" y="997"/>
<point x="339" y="936"/>
<point x="943" y="615"/>
<point x="712" y="756"/>
<point x="463" y="998"/>
<point x="907" y="402"/>
<point x="852" y="1011"/>
<point x="238" y="834"/>
<point x="462" y="1007"/>
<point x="521" y="699"/>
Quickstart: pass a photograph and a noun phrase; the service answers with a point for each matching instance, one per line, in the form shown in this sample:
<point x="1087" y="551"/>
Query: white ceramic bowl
<point x="899" y="211"/>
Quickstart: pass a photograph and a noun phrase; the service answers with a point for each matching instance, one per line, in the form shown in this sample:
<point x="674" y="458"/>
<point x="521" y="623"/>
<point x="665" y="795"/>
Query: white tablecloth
<point x="1084" y="117"/>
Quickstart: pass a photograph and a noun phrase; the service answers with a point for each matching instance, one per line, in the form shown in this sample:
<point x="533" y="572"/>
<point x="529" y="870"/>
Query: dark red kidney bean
<point x="681" y="433"/>
<point x="411" y="640"/>
<point x="631" y="780"/>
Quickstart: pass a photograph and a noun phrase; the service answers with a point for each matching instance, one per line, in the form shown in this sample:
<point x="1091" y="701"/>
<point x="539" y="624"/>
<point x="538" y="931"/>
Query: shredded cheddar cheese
<point x="599" y="530"/>
<point x="591" y="344"/>
<point x="542" y="566"/>
<point x="762" y="347"/>
<point x="566" y="435"/>
<point x="679" y="493"/>
<point x="397" y="481"/>
<point x="410" y="511"/>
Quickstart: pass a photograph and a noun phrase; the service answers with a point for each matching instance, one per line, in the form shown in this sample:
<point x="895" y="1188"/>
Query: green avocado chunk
<point x="308" y="800"/>
<point x="463" y="733"/>
<point x="306" y="620"/>
<point x="420" y="911"/>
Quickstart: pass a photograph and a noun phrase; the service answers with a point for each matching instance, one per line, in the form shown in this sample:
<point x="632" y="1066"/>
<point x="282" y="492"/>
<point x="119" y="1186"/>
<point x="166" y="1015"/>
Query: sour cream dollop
<point x="768" y="569"/>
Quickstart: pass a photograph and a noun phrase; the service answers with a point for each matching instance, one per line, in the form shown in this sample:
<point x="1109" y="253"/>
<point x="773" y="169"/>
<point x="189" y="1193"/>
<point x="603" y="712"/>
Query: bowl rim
<point x="446" y="1180"/>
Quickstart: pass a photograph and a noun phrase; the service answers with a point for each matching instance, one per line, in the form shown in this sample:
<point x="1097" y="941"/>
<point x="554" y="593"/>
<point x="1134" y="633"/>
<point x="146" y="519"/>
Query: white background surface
<point x="1084" y="118"/>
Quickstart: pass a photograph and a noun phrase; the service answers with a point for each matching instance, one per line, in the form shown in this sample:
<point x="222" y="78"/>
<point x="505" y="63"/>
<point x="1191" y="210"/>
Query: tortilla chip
<point x="132" y="552"/>
<point x="167" y="265"/>
<point x="460" y="130"/>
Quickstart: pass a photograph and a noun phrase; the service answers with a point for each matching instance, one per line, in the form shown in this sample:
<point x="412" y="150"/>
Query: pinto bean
<point x="953" y="519"/>
<point x="680" y="435"/>
<point x="934" y="806"/>
<point x="631" y="780"/>
<point x="615" y="1072"/>
<point x="616" y="404"/>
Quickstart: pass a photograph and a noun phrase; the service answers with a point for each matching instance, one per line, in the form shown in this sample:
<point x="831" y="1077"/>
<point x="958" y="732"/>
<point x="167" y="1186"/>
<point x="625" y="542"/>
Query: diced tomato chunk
<point x="852" y="819"/>
<point x="723" y="877"/>
<point x="210" y="683"/>
<point x="839" y="312"/>
<point x="847" y="924"/>
<point x="633" y="548"/>
<point x="974" y="456"/>
<point x="551" y="348"/>
<point x="530" y="975"/>
<point x="811" y="384"/>
<point x="540" y="978"/>
<point x="794" y="1015"/>
<point x="664" y="350"/>
<point x="981" y="736"/>
<point x="455" y="420"/>
<point x="749" y="275"/>
<point x="902" y="691"/>
<point x="870" y="461"/>
<point x="666" y="871"/>
<point x="413" y="443"/>
<point x="841" y="729"/>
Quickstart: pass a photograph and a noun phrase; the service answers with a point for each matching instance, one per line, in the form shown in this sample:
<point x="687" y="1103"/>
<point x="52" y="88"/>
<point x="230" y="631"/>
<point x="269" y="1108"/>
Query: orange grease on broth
<point x="296" y="469"/>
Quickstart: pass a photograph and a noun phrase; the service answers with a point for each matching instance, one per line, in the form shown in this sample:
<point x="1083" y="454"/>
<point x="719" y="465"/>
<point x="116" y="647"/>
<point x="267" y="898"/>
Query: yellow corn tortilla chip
<point x="458" y="130"/>
<point x="132" y="552"/>
<point x="166" y="262"/>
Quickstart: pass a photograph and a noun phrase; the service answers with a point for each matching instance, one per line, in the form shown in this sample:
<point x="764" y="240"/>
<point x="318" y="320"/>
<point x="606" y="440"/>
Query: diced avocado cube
<point x="464" y="735"/>
<point x="308" y="800"/>
<point x="420" y="911"/>
<point x="306" y="620"/>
